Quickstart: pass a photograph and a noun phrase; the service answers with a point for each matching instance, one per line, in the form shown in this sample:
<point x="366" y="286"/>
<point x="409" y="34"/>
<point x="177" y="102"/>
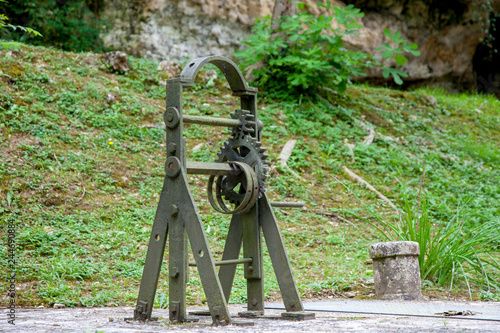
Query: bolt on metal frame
<point x="177" y="217"/>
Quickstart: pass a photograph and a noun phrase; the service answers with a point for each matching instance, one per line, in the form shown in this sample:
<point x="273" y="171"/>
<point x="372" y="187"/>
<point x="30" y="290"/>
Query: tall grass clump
<point x="449" y="251"/>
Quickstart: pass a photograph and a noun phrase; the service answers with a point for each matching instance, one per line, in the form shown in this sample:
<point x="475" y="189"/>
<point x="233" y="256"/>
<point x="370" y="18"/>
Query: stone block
<point x="396" y="270"/>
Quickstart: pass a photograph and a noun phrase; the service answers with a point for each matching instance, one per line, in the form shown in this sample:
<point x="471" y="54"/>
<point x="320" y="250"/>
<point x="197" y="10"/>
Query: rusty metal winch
<point x="236" y="186"/>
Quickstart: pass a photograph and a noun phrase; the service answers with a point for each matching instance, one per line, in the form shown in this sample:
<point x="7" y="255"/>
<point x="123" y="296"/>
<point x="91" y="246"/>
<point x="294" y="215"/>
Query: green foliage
<point x="305" y="54"/>
<point x="4" y="25"/>
<point x="69" y="25"/>
<point x="447" y="251"/>
<point x="84" y="164"/>
<point x="400" y="46"/>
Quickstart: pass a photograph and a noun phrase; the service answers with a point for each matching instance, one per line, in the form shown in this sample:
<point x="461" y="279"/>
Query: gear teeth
<point x="265" y="172"/>
<point x="241" y="138"/>
<point x="247" y="123"/>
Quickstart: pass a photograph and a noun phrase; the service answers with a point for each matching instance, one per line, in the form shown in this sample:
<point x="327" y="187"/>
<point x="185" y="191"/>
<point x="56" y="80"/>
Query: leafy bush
<point x="305" y="54"/>
<point x="68" y="25"/>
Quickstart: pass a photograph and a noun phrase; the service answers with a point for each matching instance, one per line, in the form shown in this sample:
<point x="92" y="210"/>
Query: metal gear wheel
<point x="248" y="150"/>
<point x="247" y="123"/>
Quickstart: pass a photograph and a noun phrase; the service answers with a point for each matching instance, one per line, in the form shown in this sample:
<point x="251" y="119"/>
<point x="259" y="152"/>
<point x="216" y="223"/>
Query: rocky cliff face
<point x="447" y="32"/>
<point x="170" y="29"/>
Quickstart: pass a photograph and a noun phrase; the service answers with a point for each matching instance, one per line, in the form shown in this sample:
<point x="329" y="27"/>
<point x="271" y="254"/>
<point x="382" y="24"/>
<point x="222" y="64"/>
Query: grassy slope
<point x="82" y="165"/>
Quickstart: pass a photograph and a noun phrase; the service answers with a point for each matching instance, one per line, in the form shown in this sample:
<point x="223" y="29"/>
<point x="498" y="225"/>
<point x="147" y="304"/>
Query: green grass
<point x="449" y="251"/>
<point x="83" y="164"/>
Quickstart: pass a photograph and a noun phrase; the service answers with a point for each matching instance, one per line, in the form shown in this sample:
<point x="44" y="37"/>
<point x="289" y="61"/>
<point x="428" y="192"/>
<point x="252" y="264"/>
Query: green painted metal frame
<point x="177" y="217"/>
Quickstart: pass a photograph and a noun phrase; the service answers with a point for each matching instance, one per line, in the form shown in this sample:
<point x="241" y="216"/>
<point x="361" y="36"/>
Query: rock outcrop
<point x="174" y="30"/>
<point x="447" y="32"/>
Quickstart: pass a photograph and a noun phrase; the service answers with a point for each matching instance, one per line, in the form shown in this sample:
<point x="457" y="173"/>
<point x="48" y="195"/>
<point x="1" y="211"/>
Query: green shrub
<point x="4" y="25"/>
<point x="68" y="25"/>
<point x="305" y="55"/>
<point x="302" y="58"/>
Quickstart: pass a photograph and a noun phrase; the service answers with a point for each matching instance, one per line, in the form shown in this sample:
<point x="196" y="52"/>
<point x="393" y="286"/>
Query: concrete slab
<point x="111" y="320"/>
<point x="483" y="311"/>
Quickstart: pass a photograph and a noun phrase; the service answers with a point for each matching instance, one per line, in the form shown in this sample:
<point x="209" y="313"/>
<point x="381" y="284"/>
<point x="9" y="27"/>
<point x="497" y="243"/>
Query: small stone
<point x="431" y="100"/>
<point x="171" y="68"/>
<point x="111" y="319"/>
<point x="118" y="61"/>
<point x="369" y="281"/>
<point x="350" y="294"/>
<point x="110" y="98"/>
<point x="41" y="307"/>
<point x="198" y="147"/>
<point x="59" y="306"/>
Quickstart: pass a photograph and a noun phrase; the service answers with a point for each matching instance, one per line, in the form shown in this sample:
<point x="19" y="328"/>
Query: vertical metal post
<point x="232" y="250"/>
<point x="165" y="222"/>
<point x="279" y="258"/>
<point x="252" y="234"/>
<point x="177" y="264"/>
<point x="154" y="259"/>
<point x="252" y="248"/>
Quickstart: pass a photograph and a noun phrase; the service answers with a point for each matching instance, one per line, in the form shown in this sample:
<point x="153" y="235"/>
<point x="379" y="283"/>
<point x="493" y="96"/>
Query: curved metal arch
<point x="230" y="70"/>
